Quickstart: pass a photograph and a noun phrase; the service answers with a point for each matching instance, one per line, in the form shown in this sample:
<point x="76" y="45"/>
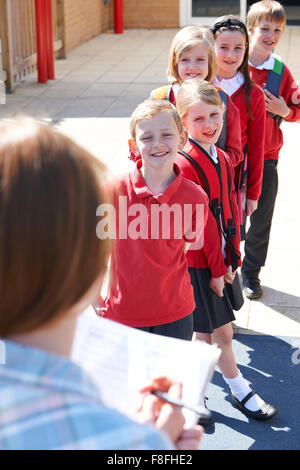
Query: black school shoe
<point x="252" y="288"/>
<point x="267" y="411"/>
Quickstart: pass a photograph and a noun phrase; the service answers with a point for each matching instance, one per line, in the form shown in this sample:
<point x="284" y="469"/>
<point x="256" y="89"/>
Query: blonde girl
<point x="192" y="55"/>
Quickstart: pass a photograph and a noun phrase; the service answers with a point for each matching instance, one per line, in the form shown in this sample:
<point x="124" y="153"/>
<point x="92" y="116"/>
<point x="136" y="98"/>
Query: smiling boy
<point x="150" y="287"/>
<point x="266" y="21"/>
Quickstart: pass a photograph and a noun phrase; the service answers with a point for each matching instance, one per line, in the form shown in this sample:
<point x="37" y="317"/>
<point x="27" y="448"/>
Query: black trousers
<point x="258" y="235"/>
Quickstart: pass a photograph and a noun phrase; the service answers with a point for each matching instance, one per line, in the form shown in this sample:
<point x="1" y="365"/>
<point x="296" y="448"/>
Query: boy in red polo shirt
<point x="266" y="21"/>
<point x="158" y="215"/>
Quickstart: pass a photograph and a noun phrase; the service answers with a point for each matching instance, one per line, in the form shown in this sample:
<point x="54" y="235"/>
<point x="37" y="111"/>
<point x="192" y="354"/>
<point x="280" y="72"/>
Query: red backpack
<point x="218" y="193"/>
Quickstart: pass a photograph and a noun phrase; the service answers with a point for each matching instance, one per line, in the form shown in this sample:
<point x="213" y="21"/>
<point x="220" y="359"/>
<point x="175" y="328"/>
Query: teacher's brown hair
<point x="49" y="251"/>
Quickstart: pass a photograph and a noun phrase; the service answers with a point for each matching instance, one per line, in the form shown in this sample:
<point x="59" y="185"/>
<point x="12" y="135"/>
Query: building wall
<point x="151" y="14"/>
<point x="85" y="19"/>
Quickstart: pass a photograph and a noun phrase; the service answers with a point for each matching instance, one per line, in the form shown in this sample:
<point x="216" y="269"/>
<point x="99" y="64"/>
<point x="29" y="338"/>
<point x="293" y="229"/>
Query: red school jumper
<point x="233" y="146"/>
<point x="253" y="135"/>
<point x="289" y="91"/>
<point x="149" y="280"/>
<point x="211" y="256"/>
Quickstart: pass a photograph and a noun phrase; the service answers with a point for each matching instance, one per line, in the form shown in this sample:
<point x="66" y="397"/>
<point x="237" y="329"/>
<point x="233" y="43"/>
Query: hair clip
<point x="227" y="23"/>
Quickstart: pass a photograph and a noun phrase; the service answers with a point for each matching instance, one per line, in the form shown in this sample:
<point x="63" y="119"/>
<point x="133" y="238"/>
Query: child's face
<point x="157" y="140"/>
<point x="266" y="35"/>
<point x="193" y="63"/>
<point x="230" y="49"/>
<point x="204" y="123"/>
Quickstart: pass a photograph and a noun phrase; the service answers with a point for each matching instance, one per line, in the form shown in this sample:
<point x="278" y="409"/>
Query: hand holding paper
<point x="121" y="360"/>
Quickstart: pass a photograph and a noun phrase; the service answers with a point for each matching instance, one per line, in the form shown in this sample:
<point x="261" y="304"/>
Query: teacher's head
<point x="50" y="256"/>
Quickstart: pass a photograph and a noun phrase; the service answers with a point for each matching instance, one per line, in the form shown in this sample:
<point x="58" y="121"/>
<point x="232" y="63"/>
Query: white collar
<point x="175" y="88"/>
<point x="213" y="153"/>
<point x="267" y="64"/>
<point x="230" y="85"/>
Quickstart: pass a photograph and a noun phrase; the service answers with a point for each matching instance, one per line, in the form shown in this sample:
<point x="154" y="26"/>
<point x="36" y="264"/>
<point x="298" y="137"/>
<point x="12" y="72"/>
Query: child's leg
<point x="239" y="387"/>
<point x="207" y="337"/>
<point x="231" y="374"/>
<point x="257" y="238"/>
<point x="223" y="337"/>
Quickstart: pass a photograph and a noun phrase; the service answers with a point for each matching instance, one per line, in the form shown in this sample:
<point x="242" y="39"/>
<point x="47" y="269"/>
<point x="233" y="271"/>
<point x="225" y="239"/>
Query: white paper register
<point x="121" y="360"/>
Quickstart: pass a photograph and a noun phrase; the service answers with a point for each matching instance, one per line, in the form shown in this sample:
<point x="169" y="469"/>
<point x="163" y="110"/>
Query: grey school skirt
<point x="211" y="311"/>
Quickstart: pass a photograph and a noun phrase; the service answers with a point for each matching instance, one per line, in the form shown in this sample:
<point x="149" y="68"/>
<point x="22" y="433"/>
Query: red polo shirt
<point x="290" y="92"/>
<point x="253" y="134"/>
<point x="149" y="281"/>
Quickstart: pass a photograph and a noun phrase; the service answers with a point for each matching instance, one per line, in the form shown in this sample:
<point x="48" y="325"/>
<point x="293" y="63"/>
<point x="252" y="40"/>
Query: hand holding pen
<point x="167" y="416"/>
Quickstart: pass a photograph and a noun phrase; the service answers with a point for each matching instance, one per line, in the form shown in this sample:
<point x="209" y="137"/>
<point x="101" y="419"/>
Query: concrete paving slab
<point x="274" y="321"/>
<point x="98" y="89"/>
<point x="86" y="77"/>
<point x="242" y="317"/>
<point x="31" y="90"/>
<point x="114" y="151"/>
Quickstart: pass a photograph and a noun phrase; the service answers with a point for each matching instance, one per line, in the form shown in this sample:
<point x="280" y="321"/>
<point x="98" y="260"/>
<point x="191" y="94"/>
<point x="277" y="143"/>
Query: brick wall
<point x="85" y="19"/>
<point x="151" y="13"/>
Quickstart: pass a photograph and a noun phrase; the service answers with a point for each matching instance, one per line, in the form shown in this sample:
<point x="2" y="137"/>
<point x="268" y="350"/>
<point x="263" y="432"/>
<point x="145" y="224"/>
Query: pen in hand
<point x="200" y="410"/>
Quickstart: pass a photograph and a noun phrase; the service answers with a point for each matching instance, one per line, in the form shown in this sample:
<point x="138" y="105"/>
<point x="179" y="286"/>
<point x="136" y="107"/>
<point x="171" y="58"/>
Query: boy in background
<point x="265" y="22"/>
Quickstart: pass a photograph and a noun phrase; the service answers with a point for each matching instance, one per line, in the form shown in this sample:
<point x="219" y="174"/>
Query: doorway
<point x="206" y="12"/>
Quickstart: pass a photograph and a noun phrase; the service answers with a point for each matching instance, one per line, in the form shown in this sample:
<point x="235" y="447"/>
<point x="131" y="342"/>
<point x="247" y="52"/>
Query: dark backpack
<point x="223" y="136"/>
<point x="274" y="81"/>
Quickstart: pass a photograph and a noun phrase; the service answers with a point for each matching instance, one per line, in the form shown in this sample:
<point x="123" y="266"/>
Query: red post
<point x="41" y="40"/>
<point x="118" y="16"/>
<point x="49" y="35"/>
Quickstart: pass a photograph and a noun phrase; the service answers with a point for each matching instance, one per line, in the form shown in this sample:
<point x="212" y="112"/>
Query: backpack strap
<point x="275" y="76"/>
<point x="221" y="143"/>
<point x="196" y="164"/>
<point x="162" y="93"/>
<point x="215" y="208"/>
<point x="274" y="79"/>
<point x="231" y="229"/>
<point x="244" y="168"/>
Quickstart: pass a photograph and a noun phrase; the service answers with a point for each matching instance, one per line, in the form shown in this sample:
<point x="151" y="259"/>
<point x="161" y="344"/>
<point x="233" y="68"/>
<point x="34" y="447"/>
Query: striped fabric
<point x="48" y="402"/>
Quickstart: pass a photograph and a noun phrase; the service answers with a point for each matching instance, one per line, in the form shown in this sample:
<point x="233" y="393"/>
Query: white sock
<point x="240" y="388"/>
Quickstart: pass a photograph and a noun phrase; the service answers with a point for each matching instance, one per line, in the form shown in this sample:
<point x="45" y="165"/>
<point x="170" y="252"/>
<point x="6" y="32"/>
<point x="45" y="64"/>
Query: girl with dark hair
<point x="232" y="50"/>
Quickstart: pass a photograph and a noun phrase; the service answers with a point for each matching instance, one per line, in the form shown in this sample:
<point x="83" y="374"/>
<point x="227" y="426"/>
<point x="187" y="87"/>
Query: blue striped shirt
<point x="48" y="402"/>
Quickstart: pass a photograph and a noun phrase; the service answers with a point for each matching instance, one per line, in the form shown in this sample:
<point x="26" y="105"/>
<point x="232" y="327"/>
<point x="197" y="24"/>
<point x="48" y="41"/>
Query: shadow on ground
<point x="286" y="304"/>
<point x="272" y="366"/>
